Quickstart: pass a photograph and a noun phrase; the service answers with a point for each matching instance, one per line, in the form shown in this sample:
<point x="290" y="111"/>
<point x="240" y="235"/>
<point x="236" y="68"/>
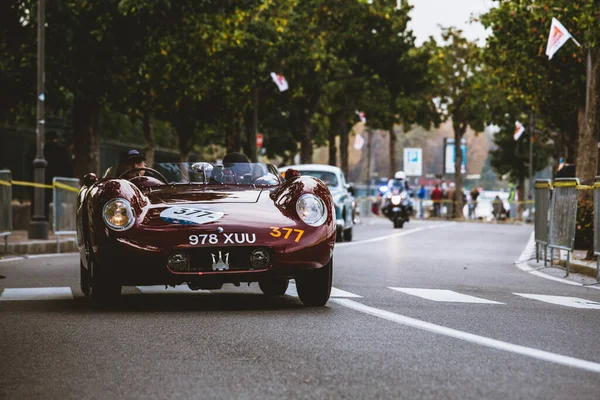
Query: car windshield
<point x="327" y="177"/>
<point x="255" y="174"/>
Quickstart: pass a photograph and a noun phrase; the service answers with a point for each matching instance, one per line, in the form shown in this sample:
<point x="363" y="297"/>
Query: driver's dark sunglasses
<point x="138" y="160"/>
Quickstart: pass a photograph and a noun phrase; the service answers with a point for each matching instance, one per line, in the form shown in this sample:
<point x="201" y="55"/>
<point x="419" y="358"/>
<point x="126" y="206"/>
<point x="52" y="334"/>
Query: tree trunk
<point x="251" y="133"/>
<point x="593" y="114"/>
<point x="332" y="147"/>
<point x="344" y="137"/>
<point x="459" y="130"/>
<point x="185" y="133"/>
<point x="392" y="149"/>
<point x="587" y="150"/>
<point x="234" y="138"/>
<point x="149" y="136"/>
<point x="85" y="137"/>
<point x="306" y="145"/>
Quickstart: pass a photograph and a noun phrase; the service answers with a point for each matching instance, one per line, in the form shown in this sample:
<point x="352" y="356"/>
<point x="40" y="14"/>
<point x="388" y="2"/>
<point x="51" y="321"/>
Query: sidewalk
<point x="19" y="244"/>
<point x="577" y="265"/>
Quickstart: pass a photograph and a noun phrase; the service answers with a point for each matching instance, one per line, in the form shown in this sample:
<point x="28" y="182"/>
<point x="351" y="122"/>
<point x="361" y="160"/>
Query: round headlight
<point x="118" y="214"/>
<point x="396" y="200"/>
<point x="311" y="210"/>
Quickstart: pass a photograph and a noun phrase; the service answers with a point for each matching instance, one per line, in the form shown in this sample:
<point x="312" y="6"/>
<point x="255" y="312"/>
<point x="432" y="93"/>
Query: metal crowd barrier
<point x="563" y="217"/>
<point x="543" y="194"/>
<point x="5" y="206"/>
<point x="597" y="226"/>
<point x="64" y="197"/>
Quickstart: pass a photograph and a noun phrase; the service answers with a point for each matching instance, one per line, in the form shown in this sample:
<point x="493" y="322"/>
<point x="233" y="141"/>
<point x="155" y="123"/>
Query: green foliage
<point x="525" y="79"/>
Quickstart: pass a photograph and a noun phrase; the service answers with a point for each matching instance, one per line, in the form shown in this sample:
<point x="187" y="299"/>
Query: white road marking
<point x="9" y="259"/>
<point x="335" y="293"/>
<point x="469" y="337"/>
<point x="42" y="293"/>
<point x="574" y="302"/>
<point x="393" y="235"/>
<point x="33" y="256"/>
<point x="523" y="265"/>
<point x="160" y="289"/>
<point x="443" y="295"/>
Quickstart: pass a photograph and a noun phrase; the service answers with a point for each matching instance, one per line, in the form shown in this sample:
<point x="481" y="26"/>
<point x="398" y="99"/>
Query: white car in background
<point x="342" y="193"/>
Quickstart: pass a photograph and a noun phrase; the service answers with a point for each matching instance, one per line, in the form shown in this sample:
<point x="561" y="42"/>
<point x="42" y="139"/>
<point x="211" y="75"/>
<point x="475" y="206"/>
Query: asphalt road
<point x="461" y="322"/>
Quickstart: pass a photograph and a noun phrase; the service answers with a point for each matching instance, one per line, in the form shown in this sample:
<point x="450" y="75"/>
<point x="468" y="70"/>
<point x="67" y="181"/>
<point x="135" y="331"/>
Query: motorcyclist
<point x="396" y="187"/>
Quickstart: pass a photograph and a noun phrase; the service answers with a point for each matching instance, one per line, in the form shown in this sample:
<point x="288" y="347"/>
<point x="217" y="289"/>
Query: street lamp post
<point x="38" y="226"/>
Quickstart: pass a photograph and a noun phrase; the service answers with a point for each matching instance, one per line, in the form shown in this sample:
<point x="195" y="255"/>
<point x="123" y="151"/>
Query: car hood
<point x="199" y="195"/>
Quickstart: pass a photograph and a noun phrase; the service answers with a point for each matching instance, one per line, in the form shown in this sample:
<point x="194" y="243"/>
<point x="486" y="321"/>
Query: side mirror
<point x="90" y="179"/>
<point x="291" y="173"/>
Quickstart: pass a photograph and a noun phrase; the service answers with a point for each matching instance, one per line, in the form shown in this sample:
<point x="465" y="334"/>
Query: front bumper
<point x="132" y="264"/>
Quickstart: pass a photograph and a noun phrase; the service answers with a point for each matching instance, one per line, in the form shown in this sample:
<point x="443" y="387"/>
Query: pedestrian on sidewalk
<point x="474" y="194"/>
<point x="421" y="195"/>
<point x="436" y="195"/>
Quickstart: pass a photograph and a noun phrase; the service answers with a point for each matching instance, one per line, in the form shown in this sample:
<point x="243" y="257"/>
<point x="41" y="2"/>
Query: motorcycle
<point x="397" y="207"/>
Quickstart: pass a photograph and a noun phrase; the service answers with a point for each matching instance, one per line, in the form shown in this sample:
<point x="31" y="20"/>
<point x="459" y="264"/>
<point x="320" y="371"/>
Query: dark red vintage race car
<point x="204" y="225"/>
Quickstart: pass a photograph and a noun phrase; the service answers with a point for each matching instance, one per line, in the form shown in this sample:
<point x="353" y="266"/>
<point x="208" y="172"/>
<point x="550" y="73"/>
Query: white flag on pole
<point x="359" y="141"/>
<point x="280" y="82"/>
<point x="362" y="116"/>
<point x="519" y="129"/>
<point x="558" y="36"/>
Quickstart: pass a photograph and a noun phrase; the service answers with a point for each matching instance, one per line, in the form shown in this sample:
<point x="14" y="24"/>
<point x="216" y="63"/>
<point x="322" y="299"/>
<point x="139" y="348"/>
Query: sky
<point x="427" y="14"/>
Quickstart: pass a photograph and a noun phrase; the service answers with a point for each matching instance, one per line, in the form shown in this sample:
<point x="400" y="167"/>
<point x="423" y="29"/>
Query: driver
<point x="132" y="159"/>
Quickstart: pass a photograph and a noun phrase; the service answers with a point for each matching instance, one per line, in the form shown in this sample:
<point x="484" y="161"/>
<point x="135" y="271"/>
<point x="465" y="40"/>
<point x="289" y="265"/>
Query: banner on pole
<point x="559" y="35"/>
<point x="362" y="116"/>
<point x="280" y="82"/>
<point x="359" y="141"/>
<point x="519" y="129"/>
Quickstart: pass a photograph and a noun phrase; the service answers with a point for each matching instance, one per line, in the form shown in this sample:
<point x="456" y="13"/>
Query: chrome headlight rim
<point x="321" y="220"/>
<point x="130" y="214"/>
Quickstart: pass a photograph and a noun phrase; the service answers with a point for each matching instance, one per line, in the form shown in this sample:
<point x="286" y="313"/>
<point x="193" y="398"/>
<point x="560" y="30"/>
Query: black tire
<point x="314" y="287"/>
<point x="84" y="279"/>
<point x="274" y="287"/>
<point x="102" y="290"/>
<point x="348" y="235"/>
<point x="339" y="235"/>
<point x="398" y="223"/>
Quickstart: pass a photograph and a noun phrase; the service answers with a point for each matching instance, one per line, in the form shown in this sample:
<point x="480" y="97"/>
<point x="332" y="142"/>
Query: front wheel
<point x="101" y="289"/>
<point x="348" y="235"/>
<point x="274" y="287"/>
<point x="314" y="287"/>
<point x="398" y="223"/>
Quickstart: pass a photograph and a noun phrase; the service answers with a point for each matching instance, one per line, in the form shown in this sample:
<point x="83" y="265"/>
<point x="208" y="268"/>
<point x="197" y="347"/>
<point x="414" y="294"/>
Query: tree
<point x="555" y="89"/>
<point x="462" y="91"/>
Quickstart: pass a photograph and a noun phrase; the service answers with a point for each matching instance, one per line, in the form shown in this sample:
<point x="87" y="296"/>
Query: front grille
<point x="201" y="259"/>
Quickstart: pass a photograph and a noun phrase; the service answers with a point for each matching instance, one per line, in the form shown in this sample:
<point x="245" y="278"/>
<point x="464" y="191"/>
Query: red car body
<point x="247" y="218"/>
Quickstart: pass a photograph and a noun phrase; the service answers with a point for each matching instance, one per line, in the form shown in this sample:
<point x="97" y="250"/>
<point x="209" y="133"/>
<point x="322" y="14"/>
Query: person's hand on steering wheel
<point x="151" y="171"/>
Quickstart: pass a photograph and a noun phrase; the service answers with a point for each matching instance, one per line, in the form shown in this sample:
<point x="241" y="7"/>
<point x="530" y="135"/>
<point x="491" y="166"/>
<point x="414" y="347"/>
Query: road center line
<point x="393" y="235"/>
<point x="469" y="337"/>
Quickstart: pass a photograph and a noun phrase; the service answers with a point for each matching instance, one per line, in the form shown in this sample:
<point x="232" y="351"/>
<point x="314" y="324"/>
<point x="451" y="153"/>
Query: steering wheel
<point x="151" y="170"/>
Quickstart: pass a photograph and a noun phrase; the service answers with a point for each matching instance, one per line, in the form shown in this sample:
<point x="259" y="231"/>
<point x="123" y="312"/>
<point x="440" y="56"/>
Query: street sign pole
<point x="38" y="226"/>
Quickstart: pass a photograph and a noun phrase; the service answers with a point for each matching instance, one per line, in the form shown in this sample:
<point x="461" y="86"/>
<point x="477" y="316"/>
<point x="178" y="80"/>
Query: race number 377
<point x="295" y="234"/>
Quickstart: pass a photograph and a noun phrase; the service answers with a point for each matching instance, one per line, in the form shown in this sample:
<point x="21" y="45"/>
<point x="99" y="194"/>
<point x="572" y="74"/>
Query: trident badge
<point x="220" y="265"/>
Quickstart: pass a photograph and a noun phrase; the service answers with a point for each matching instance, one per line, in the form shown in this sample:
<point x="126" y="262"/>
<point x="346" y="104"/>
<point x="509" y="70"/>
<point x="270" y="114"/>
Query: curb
<point x="578" y="268"/>
<point x="39" y="247"/>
